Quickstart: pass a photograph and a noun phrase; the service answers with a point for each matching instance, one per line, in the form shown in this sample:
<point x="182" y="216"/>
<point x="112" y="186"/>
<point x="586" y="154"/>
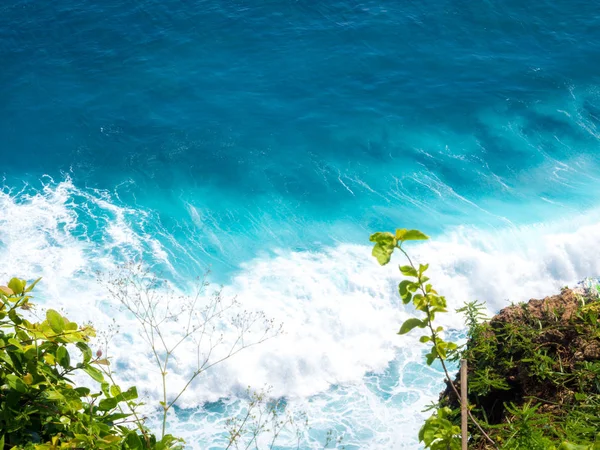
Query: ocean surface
<point x="266" y="140"/>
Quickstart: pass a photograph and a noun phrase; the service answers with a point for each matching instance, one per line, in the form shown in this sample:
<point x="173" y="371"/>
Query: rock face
<point x="544" y="353"/>
<point x="563" y="306"/>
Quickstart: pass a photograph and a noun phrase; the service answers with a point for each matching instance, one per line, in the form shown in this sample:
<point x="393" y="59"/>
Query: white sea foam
<point x="339" y="358"/>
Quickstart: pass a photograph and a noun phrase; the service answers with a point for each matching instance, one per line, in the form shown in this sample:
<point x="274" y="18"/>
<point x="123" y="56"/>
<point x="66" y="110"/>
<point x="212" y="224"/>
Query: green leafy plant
<point x="475" y="314"/>
<point x="526" y="428"/>
<point x="439" y="431"/>
<point x="40" y="406"/>
<point x="418" y="291"/>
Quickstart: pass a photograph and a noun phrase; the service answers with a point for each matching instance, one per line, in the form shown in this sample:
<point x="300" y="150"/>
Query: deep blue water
<point x="270" y="118"/>
<point x="235" y="130"/>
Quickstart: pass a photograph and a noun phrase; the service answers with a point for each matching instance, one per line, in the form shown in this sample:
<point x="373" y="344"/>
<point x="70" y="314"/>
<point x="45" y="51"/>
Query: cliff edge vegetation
<point x="534" y="373"/>
<point x="533" y="378"/>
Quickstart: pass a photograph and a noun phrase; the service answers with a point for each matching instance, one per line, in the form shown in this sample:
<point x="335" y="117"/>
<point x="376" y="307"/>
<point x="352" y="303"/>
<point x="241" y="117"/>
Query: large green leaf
<point x="115" y="390"/>
<point x="14" y="316"/>
<point x="409" y="271"/>
<point x="133" y="441"/>
<point x="16" y="285"/>
<point x="410" y="324"/>
<point x="404" y="292"/>
<point x="106" y="404"/>
<point x="15" y="342"/>
<point x="71" y="326"/>
<point x="32" y="285"/>
<point x="14" y="382"/>
<point x="410" y="235"/>
<point x="52" y="394"/>
<point x="129" y="394"/>
<point x="382" y="253"/>
<point x="62" y="355"/>
<point x="430" y="357"/>
<point x="94" y="373"/>
<point x="384" y="238"/>
<point x="55" y="320"/>
<point x="82" y="391"/>
<point x="117" y="416"/>
<point x="384" y="246"/>
<point x="85" y="351"/>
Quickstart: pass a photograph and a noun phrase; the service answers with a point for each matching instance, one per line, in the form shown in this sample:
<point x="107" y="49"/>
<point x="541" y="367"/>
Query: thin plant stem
<point x="434" y="337"/>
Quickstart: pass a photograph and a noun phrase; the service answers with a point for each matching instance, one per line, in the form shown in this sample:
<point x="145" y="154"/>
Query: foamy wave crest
<point x="60" y="231"/>
<point x="339" y="359"/>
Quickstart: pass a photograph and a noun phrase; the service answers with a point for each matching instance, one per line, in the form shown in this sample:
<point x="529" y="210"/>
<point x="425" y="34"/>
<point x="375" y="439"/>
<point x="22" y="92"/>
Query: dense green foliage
<point x="40" y="406"/>
<point x="534" y="370"/>
<point x="535" y="373"/>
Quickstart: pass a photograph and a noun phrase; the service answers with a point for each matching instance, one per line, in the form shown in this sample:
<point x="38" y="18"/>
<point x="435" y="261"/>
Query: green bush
<point x="40" y="406"/>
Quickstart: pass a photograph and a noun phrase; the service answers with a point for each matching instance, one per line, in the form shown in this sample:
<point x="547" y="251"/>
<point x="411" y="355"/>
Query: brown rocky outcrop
<point x="539" y="352"/>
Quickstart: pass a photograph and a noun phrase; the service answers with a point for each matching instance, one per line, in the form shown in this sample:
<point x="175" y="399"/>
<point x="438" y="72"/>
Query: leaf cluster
<point x="440" y="431"/>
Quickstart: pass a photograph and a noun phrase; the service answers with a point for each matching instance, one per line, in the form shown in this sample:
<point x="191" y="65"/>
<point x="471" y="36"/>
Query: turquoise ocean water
<point x="267" y="140"/>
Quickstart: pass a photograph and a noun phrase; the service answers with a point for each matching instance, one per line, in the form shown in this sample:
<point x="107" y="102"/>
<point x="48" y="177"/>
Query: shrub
<point x="40" y="406"/>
